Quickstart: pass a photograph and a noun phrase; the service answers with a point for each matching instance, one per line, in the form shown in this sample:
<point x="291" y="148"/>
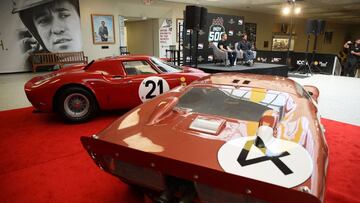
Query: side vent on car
<point x="246" y="82"/>
<point x="235" y="81"/>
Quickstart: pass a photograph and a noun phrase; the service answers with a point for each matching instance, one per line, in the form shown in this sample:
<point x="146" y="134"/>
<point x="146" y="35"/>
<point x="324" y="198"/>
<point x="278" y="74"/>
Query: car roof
<point x="278" y="83"/>
<point x="124" y="57"/>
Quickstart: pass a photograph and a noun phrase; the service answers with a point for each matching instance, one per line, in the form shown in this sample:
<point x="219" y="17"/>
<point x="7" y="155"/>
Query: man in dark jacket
<point x="353" y="58"/>
<point x="246" y="47"/>
<point x="223" y="45"/>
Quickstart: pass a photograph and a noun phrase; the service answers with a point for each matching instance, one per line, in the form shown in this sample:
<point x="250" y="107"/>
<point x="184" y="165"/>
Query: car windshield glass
<point x="242" y="103"/>
<point x="165" y="66"/>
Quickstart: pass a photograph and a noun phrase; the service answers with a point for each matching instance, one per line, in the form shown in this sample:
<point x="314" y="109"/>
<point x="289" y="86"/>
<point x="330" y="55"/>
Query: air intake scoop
<point x="207" y="125"/>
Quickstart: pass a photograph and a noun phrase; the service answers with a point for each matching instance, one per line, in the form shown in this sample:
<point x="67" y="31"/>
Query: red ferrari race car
<point x="121" y="82"/>
<point x="224" y="138"/>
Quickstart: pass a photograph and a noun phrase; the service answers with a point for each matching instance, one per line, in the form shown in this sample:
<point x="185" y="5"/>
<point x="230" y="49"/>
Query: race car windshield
<point x="241" y="103"/>
<point x="165" y="67"/>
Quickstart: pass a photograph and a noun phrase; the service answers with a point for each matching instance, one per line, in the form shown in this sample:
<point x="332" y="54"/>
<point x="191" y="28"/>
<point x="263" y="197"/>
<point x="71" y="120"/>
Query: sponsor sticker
<point x="210" y="58"/>
<point x="200" y="46"/>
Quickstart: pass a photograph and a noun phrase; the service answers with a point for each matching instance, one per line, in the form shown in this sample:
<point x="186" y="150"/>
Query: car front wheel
<point x="77" y="105"/>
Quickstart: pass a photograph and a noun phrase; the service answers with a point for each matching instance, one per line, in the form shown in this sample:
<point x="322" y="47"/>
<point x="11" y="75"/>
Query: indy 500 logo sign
<point x="216" y="29"/>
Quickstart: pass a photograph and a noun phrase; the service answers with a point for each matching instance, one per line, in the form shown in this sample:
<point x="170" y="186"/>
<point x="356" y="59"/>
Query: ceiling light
<point x="297" y="10"/>
<point x="286" y="10"/>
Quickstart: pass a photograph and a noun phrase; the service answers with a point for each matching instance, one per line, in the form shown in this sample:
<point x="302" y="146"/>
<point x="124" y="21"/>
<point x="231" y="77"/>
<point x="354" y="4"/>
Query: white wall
<point x="140" y="36"/>
<point x="161" y="10"/>
<point x="126" y="8"/>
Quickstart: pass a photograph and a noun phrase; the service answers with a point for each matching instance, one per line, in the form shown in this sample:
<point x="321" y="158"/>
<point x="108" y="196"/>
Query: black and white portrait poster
<point x="29" y="26"/>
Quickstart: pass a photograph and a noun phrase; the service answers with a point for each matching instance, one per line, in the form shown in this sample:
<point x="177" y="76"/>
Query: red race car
<point x="227" y="137"/>
<point x="121" y="82"/>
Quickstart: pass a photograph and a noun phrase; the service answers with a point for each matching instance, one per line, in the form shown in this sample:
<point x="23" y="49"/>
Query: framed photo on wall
<point x="103" y="29"/>
<point x="281" y="43"/>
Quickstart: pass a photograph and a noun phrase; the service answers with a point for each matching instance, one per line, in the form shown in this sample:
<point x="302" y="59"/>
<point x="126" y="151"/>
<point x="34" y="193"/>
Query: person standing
<point x="353" y="57"/>
<point x="223" y="45"/>
<point x="103" y="32"/>
<point x="245" y="46"/>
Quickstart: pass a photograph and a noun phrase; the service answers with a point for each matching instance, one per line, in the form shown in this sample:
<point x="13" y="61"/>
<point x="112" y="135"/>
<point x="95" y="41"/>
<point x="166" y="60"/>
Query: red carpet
<point x="42" y="160"/>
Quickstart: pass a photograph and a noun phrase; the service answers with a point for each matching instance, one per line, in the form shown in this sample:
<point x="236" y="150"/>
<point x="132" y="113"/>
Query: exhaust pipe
<point x="167" y="195"/>
<point x="188" y="195"/>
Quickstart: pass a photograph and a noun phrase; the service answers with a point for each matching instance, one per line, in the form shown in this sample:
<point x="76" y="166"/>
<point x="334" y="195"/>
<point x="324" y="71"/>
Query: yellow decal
<point x="292" y="132"/>
<point x="252" y="128"/>
<point x="257" y="95"/>
<point x="298" y="132"/>
<point x="183" y="81"/>
<point x="250" y="143"/>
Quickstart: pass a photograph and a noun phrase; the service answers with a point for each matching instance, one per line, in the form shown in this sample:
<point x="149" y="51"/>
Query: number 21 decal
<point x="151" y="87"/>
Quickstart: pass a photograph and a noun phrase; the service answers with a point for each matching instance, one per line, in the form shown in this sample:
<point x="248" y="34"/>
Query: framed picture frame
<point x="103" y="29"/>
<point x="281" y="43"/>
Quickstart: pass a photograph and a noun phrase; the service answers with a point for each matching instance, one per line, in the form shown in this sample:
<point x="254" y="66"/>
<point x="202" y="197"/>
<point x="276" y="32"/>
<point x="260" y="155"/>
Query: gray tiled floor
<point x="12" y="93"/>
<point x="339" y="96"/>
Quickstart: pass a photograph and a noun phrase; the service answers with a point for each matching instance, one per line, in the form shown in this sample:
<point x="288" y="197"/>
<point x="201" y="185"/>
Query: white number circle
<point x="297" y="161"/>
<point x="151" y="87"/>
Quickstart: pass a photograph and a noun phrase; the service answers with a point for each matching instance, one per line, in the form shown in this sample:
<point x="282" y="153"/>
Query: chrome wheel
<point x="76" y="105"/>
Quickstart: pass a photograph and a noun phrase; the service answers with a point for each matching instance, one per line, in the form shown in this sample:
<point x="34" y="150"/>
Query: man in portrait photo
<point x="103" y="32"/>
<point x="53" y="25"/>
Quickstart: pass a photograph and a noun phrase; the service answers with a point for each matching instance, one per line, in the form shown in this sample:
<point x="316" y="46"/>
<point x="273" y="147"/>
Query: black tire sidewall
<point x="79" y="90"/>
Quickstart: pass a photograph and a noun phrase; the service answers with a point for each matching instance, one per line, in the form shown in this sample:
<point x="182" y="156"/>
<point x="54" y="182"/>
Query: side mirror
<point x="313" y="91"/>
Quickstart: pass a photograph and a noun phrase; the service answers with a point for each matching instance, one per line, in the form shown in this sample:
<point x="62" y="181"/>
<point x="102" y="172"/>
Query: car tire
<point x="77" y="105"/>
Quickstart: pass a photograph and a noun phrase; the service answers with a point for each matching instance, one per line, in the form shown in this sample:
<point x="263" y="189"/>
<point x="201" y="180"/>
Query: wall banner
<point x="165" y="37"/>
<point x="122" y="31"/>
<point x="29" y="26"/>
<point x="217" y="24"/>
